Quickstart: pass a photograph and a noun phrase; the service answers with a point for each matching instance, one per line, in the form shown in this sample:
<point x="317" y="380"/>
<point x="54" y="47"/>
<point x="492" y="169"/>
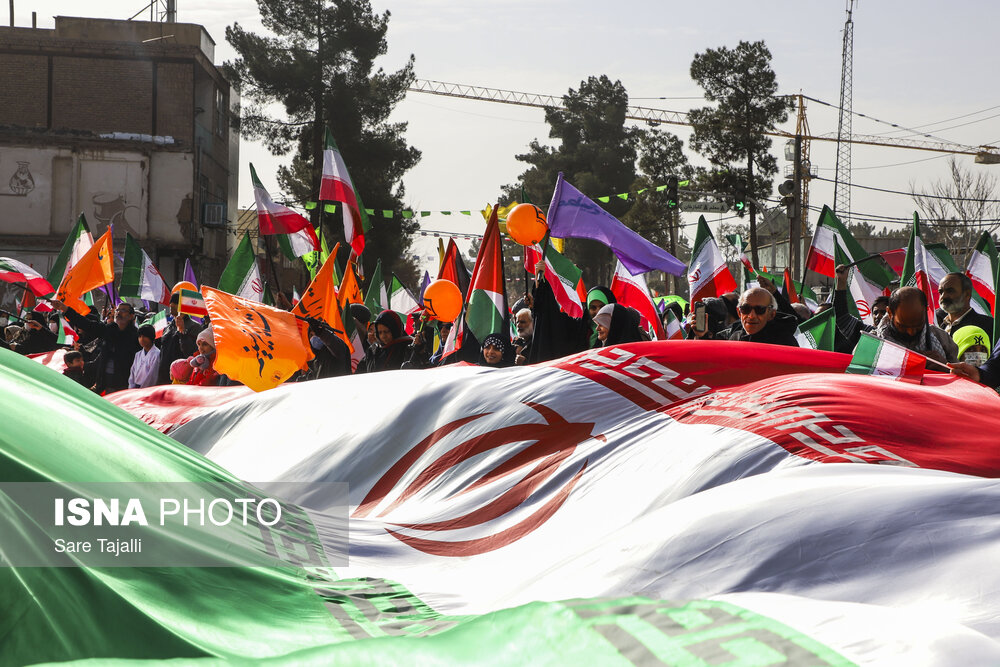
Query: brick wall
<point x="102" y="95"/>
<point x="24" y="93"/>
<point x="175" y="101"/>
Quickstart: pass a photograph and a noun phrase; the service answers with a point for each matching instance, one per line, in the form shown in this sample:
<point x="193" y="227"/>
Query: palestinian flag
<point x="191" y="303"/>
<point x="875" y="356"/>
<point x="564" y="277"/>
<point x="159" y="321"/>
<point x="377" y="299"/>
<point x="633" y="292"/>
<point x="818" y="331"/>
<point x="708" y="273"/>
<point x="402" y="301"/>
<point x="337" y="186"/>
<point x="74" y="248"/>
<point x="242" y="275"/>
<point x="982" y="270"/>
<point x="13" y="271"/>
<point x="277" y="219"/>
<point x="453" y="267"/>
<point x="673" y="329"/>
<point x="487" y="310"/>
<point x="140" y="279"/>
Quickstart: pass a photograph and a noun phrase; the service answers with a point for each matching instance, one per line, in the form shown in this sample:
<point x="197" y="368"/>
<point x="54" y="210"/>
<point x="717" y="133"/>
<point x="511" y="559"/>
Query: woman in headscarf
<point x="204" y="375"/>
<point x="617" y="324"/>
<point x="392" y="343"/>
<point x="597" y="298"/>
<point x="497" y="352"/>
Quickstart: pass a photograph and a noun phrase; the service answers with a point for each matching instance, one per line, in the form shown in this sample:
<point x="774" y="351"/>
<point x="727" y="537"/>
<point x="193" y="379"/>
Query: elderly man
<point x="760" y="320"/>
<point x="525" y="324"/>
<point x="121" y="342"/>
<point x="955" y="292"/>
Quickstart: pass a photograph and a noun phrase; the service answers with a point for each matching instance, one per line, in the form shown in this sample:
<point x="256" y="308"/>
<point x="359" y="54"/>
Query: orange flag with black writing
<point x="350" y="291"/>
<point x="320" y="300"/>
<point x="95" y="268"/>
<point x="255" y="344"/>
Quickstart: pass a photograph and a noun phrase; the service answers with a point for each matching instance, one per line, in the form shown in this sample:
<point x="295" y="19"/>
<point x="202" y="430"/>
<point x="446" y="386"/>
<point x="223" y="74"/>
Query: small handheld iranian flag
<point x="563" y="276"/>
<point x="875" y="356"/>
<point x="13" y="271"/>
<point x="159" y="321"/>
<point x="708" y="273"/>
<point x="818" y="332"/>
<point x="672" y="328"/>
<point x="242" y="275"/>
<point x="337" y="186"/>
<point x="632" y="291"/>
<point x="140" y="279"/>
<point x="191" y="303"/>
<point x="66" y="335"/>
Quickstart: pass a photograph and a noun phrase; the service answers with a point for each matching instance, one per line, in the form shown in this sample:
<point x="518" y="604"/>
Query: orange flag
<point x="320" y="299"/>
<point x="94" y="269"/>
<point x="255" y="344"/>
<point x="350" y="291"/>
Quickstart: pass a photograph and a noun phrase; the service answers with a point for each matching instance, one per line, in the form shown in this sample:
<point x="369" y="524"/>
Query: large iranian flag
<point x="337" y="186"/>
<point x="982" y="269"/>
<point x="834" y="244"/>
<point x="276" y="218"/>
<point x="708" y="273"/>
<point x="487" y="310"/>
<point x="75" y="246"/>
<point x="140" y="277"/>
<point x="646" y="504"/>
<point x="242" y="274"/>
<point x="633" y="292"/>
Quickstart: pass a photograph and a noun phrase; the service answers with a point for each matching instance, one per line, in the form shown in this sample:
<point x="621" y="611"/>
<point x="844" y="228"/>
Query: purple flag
<point x="189" y="273"/>
<point x="423" y="285"/>
<point x="573" y="216"/>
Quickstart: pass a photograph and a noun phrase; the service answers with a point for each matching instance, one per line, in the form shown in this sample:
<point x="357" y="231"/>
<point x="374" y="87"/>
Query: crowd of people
<point x="112" y="353"/>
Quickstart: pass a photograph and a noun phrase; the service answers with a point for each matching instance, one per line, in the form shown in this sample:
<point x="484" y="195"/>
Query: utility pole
<point x="795" y="219"/>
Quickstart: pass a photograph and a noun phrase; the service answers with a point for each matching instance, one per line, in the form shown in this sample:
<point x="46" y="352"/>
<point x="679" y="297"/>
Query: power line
<point x="948" y="120"/>
<point x="912" y="194"/>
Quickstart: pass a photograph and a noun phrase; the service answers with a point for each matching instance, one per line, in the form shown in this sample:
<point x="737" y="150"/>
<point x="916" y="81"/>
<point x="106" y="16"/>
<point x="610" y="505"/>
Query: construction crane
<point x="983" y="154"/>
<point x="842" y="181"/>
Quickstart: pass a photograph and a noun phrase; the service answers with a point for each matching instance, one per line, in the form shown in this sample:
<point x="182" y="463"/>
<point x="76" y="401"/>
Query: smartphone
<point x="700" y="317"/>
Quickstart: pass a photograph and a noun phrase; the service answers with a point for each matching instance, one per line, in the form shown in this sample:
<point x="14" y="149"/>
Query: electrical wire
<point x="910" y="194"/>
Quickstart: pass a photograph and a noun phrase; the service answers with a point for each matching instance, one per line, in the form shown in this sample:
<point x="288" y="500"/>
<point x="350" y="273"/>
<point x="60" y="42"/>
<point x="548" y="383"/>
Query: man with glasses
<point x="119" y="343"/>
<point x="760" y="320"/>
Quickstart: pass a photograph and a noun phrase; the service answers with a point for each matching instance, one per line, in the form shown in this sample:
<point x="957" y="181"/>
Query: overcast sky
<point x="918" y="64"/>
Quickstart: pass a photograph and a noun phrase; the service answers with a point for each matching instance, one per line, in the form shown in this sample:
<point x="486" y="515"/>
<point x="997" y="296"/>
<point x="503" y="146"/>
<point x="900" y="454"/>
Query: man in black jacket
<point x="120" y="343"/>
<point x="760" y="321"/>
<point x="955" y="299"/>
<point x="179" y="340"/>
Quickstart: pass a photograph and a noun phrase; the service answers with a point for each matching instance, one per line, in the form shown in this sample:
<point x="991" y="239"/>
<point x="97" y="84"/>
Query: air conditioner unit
<point x="213" y="215"/>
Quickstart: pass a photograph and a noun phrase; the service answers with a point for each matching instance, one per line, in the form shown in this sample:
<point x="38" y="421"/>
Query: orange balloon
<point x="443" y="300"/>
<point x="526" y="224"/>
<point x="183" y="285"/>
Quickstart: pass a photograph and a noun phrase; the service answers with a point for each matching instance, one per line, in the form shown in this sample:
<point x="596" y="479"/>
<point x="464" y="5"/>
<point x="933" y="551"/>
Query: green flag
<point x="376" y="298"/>
<point x="818" y="331"/>
<point x="242" y="275"/>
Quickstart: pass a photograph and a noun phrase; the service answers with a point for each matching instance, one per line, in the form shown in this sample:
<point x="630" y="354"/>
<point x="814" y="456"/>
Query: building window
<point x="220" y="112"/>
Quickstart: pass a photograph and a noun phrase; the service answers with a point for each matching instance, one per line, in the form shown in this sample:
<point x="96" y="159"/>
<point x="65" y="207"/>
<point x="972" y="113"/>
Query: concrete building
<point x="127" y="122"/>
